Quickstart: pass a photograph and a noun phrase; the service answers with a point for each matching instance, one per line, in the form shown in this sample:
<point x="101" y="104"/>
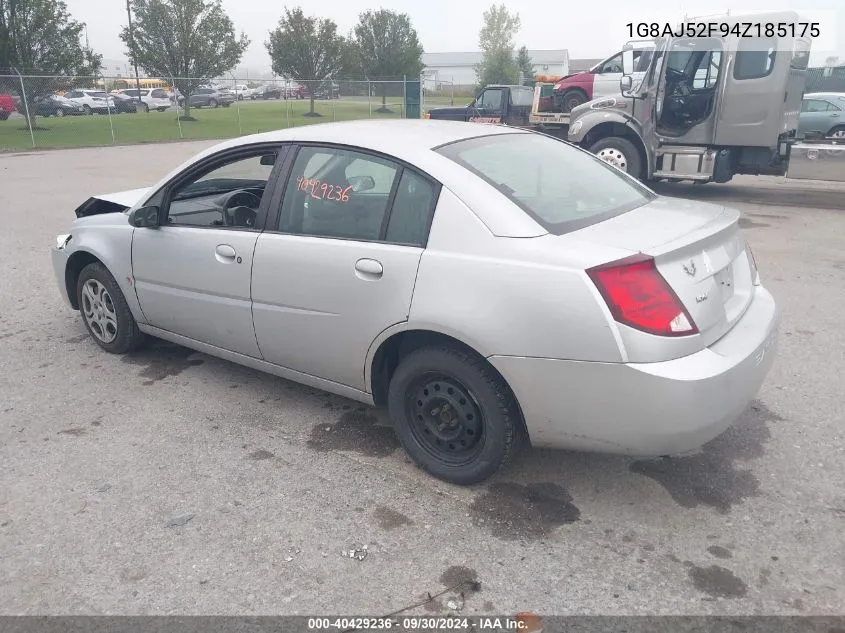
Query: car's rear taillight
<point x="638" y="296"/>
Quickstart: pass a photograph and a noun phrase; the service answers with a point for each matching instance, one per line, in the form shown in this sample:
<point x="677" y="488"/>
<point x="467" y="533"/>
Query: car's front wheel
<point x="59" y="112"/>
<point x="212" y="103"/>
<point x="453" y="413"/>
<point x="104" y="310"/>
<point x="87" y="109"/>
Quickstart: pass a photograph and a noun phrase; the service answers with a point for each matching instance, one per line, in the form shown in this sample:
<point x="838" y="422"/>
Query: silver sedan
<point x="488" y="285"/>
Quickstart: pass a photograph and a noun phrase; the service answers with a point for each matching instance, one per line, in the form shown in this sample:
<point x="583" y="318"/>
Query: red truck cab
<point x="8" y="104"/>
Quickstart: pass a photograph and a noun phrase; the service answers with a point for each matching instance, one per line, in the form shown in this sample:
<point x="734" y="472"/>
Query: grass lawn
<point x="246" y="118"/>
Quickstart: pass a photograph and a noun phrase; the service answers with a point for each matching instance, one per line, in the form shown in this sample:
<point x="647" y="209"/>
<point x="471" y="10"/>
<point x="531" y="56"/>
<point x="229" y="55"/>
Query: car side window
<point x="814" y="105"/>
<point x="612" y="65"/>
<point x="227" y="194"/>
<point x="337" y="193"/>
<point x="412" y="209"/>
<point x="492" y="99"/>
<point x="755" y="58"/>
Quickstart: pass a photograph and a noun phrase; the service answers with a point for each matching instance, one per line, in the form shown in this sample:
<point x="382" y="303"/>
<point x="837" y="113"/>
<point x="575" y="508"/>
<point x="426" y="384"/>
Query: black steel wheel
<point x="445" y="419"/>
<point x="453" y="413"/>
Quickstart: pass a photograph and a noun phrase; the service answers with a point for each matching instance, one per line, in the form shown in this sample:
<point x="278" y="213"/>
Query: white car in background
<point x="92" y="100"/>
<point x="151" y="98"/>
<point x="242" y="91"/>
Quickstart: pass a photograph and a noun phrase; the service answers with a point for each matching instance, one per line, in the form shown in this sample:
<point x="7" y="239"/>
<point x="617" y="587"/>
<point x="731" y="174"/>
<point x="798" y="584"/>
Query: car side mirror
<point x="628" y="61"/>
<point x="361" y="183"/>
<point x="144" y="217"/>
<point x="626" y="82"/>
<point x="268" y="160"/>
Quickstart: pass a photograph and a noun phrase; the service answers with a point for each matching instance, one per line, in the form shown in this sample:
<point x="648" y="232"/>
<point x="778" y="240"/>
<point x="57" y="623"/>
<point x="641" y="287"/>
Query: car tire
<point x="162" y="109"/>
<point x="59" y="112"/>
<point x="572" y="99"/>
<point x="482" y="427"/>
<point x="621" y="153"/>
<point x="87" y="109"/>
<point x="104" y="311"/>
<point x="212" y="103"/>
<point x="144" y="107"/>
<point x="4" y="116"/>
<point x="837" y="132"/>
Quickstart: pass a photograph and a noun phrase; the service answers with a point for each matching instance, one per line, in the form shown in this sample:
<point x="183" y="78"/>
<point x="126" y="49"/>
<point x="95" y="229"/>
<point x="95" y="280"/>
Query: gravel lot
<point x="171" y="482"/>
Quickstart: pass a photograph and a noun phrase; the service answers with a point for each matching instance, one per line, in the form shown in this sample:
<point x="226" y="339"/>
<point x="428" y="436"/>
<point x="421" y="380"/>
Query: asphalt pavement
<point x="170" y="482"/>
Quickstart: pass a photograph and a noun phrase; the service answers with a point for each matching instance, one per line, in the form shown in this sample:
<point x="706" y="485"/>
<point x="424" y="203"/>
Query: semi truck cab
<point x="707" y="108"/>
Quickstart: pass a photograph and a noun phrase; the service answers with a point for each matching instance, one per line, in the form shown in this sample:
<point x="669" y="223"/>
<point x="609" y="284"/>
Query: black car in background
<point x="124" y="103"/>
<point x="269" y="92"/>
<point x="53" y="105"/>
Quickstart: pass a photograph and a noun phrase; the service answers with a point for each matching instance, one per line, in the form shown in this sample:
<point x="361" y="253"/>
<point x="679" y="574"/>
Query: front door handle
<point x="368" y="269"/>
<point x="224" y="254"/>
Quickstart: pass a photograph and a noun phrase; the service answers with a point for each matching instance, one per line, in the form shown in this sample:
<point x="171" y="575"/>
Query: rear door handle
<point x="225" y="254"/>
<point x="368" y="268"/>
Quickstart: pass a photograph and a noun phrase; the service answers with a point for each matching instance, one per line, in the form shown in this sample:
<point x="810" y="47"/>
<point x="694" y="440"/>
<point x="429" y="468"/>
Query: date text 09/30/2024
<point x="433" y="624"/>
<point x="723" y="29"/>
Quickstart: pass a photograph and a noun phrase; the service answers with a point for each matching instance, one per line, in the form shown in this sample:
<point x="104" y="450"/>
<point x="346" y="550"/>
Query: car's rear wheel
<point x="104" y="310"/>
<point x="59" y="112"/>
<point x="87" y="109"/>
<point x="837" y="132"/>
<point x="621" y="153"/>
<point x="212" y="103"/>
<point x="143" y="107"/>
<point x="453" y="414"/>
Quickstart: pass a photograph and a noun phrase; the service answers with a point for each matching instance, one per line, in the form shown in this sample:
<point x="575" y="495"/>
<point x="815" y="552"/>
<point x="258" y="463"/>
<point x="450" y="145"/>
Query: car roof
<point x="402" y="138"/>
<point x="824" y="95"/>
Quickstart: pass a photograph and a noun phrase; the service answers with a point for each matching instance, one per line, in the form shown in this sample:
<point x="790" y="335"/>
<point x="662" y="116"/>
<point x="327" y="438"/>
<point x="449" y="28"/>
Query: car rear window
<point x="562" y="187"/>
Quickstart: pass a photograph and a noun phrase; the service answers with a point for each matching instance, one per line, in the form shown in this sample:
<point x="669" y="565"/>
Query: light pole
<point x="134" y="52"/>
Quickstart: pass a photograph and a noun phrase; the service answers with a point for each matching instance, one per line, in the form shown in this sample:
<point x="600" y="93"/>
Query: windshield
<point x="562" y="187"/>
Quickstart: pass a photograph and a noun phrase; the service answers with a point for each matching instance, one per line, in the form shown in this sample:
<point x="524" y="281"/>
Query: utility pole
<point x="134" y="52"/>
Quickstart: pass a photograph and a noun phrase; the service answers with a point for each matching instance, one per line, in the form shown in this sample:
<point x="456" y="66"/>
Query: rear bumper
<point x="646" y="409"/>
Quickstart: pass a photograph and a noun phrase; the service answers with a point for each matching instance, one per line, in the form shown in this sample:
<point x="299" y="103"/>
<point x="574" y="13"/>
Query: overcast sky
<point x="586" y="29"/>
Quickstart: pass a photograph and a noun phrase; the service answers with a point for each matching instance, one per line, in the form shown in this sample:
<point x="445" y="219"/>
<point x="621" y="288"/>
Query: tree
<point x="307" y="49"/>
<point x="526" y="66"/>
<point x="39" y="37"/>
<point x="188" y="41"/>
<point x="498" y="64"/>
<point x="387" y="47"/>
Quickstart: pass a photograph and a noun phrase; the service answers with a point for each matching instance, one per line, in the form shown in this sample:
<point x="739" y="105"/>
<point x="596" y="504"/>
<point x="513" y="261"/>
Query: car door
<point x="192" y="273"/>
<point x="813" y="117"/>
<point x="489" y="106"/>
<point x="338" y="265"/>
<point x="606" y="80"/>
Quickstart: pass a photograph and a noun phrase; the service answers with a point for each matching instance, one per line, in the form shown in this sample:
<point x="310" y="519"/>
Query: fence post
<point x="26" y="107"/>
<point x="237" y="102"/>
<point x="370" y="97"/>
<point x="178" y="107"/>
<point x="108" y="107"/>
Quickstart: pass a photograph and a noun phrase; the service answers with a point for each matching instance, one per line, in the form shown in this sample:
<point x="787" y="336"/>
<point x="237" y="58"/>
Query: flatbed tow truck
<point x="516" y="106"/>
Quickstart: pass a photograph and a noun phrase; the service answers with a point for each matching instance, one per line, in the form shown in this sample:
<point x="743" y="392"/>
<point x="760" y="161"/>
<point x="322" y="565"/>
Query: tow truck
<point x="516" y="106"/>
<point x="709" y="108"/>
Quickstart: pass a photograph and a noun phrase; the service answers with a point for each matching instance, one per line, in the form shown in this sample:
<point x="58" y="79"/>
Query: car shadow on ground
<point x="528" y="495"/>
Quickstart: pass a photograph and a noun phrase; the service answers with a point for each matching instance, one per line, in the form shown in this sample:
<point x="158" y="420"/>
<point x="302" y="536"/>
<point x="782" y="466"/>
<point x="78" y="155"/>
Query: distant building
<point x="459" y="68"/>
<point x="577" y="65"/>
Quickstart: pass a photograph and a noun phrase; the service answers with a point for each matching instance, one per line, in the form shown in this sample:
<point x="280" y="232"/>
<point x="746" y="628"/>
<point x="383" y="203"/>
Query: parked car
<point x="124" y="103"/>
<point x="269" y="92"/>
<point x="150" y="98"/>
<point x="211" y="98"/>
<point x="54" y="105"/>
<point x="823" y="113"/>
<point x="8" y="104"/>
<point x="92" y="101"/>
<point x="296" y="91"/>
<point x="328" y="92"/>
<point x="242" y="91"/>
<point x="487" y="284"/>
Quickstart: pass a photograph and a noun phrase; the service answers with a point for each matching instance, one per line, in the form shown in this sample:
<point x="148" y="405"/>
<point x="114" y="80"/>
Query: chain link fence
<point x="38" y="111"/>
<point x="826" y="79"/>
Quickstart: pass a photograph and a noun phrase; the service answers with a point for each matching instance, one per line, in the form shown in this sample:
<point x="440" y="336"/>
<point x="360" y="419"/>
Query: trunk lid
<point x="700" y="251"/>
